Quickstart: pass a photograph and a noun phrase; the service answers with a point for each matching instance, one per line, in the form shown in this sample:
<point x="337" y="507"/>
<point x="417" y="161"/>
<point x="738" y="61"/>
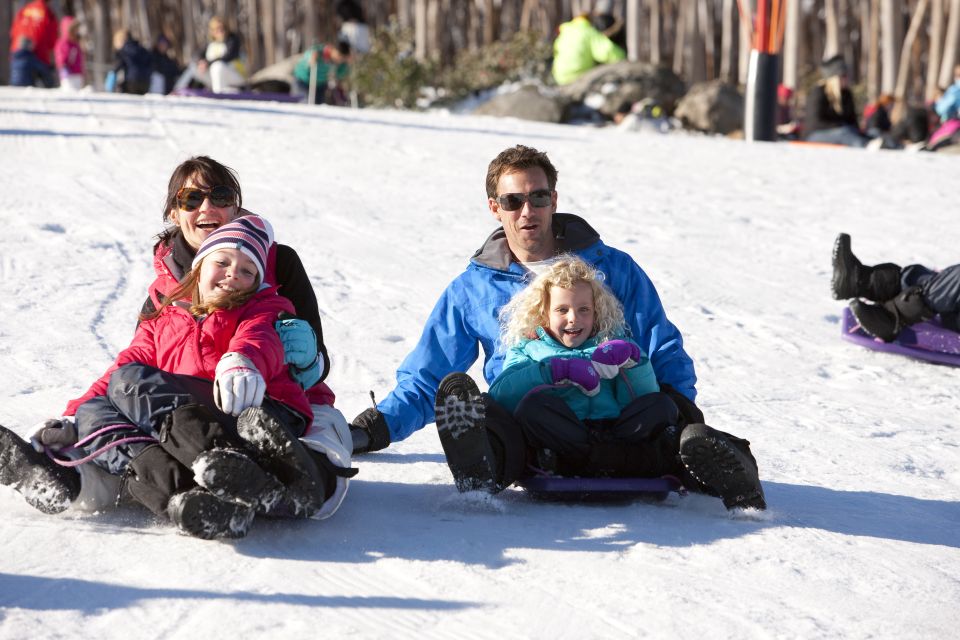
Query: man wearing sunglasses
<point x="482" y="441"/>
<point x="522" y="196"/>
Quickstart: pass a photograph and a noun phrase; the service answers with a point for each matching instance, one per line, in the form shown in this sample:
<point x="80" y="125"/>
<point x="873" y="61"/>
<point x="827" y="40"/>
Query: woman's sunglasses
<point x="190" y="198"/>
<point x="513" y="201"/>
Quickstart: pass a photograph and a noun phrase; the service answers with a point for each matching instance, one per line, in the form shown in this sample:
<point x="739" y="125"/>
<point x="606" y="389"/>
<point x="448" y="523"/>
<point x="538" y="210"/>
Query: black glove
<point x="688" y="411"/>
<point x="370" y="432"/>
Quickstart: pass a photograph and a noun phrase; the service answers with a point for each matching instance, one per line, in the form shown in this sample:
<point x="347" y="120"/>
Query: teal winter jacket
<point x="527" y="367"/>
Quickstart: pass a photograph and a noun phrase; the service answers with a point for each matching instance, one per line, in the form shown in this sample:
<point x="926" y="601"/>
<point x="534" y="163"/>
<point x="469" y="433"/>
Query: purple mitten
<point x="613" y="355"/>
<point x="577" y="372"/>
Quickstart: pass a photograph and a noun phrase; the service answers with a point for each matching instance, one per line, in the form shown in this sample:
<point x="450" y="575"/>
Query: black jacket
<point x="820" y="114"/>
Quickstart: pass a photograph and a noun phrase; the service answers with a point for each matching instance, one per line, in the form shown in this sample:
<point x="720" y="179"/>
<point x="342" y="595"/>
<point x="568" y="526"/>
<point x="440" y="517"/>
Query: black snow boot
<point x="44" y="484"/>
<point x="280" y="453"/>
<point x="201" y="514"/>
<point x="723" y="464"/>
<point x="887" y="320"/>
<point x="233" y="476"/>
<point x="852" y="279"/>
<point x="461" y="423"/>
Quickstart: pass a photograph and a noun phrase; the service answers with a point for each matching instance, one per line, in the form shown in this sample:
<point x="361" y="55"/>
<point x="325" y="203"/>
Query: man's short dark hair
<point x="519" y="158"/>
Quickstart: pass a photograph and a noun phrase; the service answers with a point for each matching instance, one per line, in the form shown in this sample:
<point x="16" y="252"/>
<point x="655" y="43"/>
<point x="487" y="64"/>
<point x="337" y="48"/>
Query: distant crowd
<point x="45" y="55"/>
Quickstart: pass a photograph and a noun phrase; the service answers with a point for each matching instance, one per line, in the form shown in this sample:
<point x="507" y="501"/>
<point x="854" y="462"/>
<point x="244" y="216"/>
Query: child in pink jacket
<point x="199" y="415"/>
<point x="68" y="54"/>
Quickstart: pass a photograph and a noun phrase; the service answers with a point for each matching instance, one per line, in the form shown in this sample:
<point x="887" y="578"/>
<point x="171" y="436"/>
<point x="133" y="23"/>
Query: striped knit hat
<point x="251" y="234"/>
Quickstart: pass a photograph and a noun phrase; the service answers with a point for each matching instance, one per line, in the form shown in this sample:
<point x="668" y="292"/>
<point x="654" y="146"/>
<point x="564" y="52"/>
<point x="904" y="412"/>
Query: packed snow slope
<point x="858" y="450"/>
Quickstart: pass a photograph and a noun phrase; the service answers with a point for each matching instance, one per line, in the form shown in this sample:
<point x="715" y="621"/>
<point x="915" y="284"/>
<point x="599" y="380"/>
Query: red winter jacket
<point x="177" y="342"/>
<point x="167" y="281"/>
<point x="37" y="22"/>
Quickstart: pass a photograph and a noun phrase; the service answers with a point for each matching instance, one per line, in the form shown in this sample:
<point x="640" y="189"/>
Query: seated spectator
<point x="948" y="106"/>
<point x="26" y="69"/>
<point x="831" y="116"/>
<point x="876" y="116"/>
<point x="133" y="64"/>
<point x="166" y="69"/>
<point x="330" y="66"/>
<point x="580" y="47"/>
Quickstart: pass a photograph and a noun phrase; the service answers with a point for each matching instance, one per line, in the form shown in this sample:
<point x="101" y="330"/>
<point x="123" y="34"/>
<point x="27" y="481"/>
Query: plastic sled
<point x="928" y="341"/>
<point x="600" y="489"/>
<point x="243" y="95"/>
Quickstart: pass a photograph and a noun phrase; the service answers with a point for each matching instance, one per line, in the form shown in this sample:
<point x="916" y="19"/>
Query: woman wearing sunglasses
<point x="203" y="195"/>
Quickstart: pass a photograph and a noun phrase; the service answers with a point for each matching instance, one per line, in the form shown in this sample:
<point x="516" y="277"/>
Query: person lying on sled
<point x="886" y="298"/>
<point x="586" y="397"/>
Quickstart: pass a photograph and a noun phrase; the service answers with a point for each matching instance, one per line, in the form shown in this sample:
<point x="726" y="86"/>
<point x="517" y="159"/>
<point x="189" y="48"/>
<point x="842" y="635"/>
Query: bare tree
<point x="930" y="89"/>
<point x="903" y="72"/>
<point x="950" y="45"/>
<point x="888" y="46"/>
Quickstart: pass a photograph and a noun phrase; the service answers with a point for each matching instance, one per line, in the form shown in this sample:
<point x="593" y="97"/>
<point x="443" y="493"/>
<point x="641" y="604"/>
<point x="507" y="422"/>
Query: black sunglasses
<point x="513" y="201"/>
<point x="190" y="198"/>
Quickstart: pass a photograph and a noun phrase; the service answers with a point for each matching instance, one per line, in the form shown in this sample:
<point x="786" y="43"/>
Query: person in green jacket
<point x="579" y="47"/>
<point x="585" y="395"/>
<point x="333" y="67"/>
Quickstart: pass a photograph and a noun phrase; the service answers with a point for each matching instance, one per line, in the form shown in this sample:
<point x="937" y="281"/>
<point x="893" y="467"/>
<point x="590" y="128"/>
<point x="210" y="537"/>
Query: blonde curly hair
<point x="529" y="309"/>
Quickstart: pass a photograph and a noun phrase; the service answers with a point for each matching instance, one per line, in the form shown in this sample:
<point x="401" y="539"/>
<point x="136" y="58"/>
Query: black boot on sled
<point x="887" y="320"/>
<point x="44" y="484"/>
<point x="716" y="461"/>
<point x="201" y="514"/>
<point x="851" y="279"/>
<point x="461" y="423"/>
<point x="233" y="476"/>
<point x="280" y="453"/>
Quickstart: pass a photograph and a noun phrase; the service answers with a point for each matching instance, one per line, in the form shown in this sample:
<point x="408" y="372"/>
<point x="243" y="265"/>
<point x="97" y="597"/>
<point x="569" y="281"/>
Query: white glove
<point x="237" y="384"/>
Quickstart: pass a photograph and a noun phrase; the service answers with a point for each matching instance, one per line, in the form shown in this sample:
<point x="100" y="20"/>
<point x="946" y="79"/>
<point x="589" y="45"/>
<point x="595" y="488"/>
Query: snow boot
<point x="723" y="464"/>
<point x="887" y="320"/>
<point x="201" y="514"/>
<point x="461" y="423"/>
<point x="44" y="484"/>
<point x="280" y="453"/>
<point x="851" y="279"/>
<point x="233" y="476"/>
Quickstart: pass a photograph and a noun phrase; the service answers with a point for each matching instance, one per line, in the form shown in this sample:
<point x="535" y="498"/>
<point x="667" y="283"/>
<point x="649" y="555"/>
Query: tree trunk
<point x="633" y="24"/>
<point x="950" y="45"/>
<point x="6" y="21"/>
<point x="888" y="47"/>
<point x="831" y="45"/>
<point x="267" y="14"/>
<point x="791" y="45"/>
<point x="936" y="50"/>
<point x="655" y="52"/>
<point x="903" y="73"/>
<point x="728" y="25"/>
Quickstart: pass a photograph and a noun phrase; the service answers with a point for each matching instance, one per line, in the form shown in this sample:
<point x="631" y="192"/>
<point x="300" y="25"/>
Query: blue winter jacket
<point x="465" y="319"/>
<point x="527" y="367"/>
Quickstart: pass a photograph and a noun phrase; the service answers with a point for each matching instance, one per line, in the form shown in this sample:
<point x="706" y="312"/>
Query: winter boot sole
<point x="845" y="269"/>
<point x="233" y="476"/>
<point x="33" y="475"/>
<point x="203" y="515"/>
<point x="285" y="457"/>
<point x="460" y="417"/>
<point x="717" y="464"/>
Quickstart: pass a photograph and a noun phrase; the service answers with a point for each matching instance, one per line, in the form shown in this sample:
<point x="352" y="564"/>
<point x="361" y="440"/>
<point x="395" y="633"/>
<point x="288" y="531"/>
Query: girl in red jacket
<point x="199" y="415"/>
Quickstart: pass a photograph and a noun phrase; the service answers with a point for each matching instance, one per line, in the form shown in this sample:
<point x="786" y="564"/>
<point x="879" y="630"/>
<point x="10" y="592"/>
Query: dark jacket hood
<point x="571" y="232"/>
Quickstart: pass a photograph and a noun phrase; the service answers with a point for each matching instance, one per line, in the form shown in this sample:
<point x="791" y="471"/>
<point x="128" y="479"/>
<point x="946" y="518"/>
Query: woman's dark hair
<point x="208" y="173"/>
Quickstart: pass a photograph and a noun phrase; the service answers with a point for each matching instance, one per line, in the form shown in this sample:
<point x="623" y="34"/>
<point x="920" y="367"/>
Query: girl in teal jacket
<point x="584" y="393"/>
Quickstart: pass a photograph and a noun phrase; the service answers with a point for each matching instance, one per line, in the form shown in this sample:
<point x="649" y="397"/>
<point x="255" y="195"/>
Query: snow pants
<point x="152" y="424"/>
<point x="940" y="289"/>
<point x="643" y="441"/>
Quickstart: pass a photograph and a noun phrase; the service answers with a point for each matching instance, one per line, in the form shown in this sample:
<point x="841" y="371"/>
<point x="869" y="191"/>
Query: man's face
<point x="529" y="228"/>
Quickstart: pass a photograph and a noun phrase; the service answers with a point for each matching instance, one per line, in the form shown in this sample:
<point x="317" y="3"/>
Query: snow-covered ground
<point x="858" y="450"/>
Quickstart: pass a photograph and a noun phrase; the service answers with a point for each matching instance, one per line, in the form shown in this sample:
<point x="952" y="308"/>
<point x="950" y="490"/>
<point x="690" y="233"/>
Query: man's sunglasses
<point x="190" y="199"/>
<point x="513" y="201"/>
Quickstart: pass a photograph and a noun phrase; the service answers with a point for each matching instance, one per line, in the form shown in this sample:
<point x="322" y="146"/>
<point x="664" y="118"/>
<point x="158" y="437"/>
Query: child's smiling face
<point x="225" y="272"/>
<point x="570" y="314"/>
